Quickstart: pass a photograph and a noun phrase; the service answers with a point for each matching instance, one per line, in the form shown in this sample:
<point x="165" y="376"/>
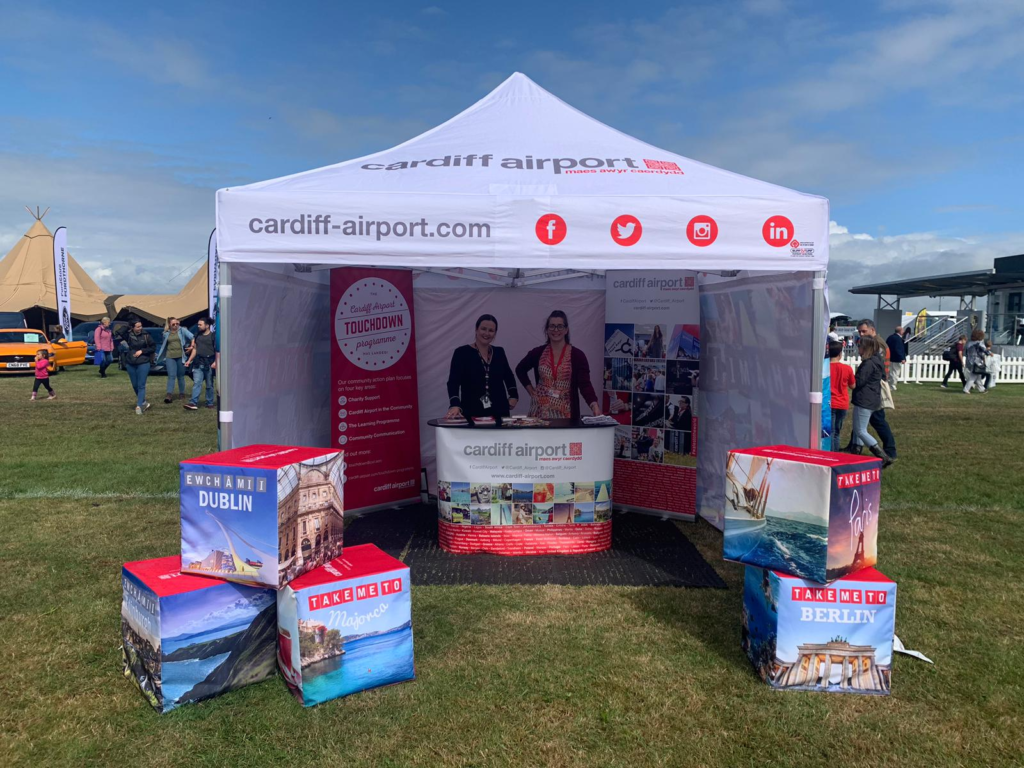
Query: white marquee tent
<point x="517" y="190"/>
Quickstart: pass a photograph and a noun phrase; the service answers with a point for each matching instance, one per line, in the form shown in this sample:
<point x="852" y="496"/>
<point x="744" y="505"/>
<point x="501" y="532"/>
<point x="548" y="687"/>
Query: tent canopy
<point x="27" y="279"/>
<point x="190" y="300"/>
<point x="523" y="180"/>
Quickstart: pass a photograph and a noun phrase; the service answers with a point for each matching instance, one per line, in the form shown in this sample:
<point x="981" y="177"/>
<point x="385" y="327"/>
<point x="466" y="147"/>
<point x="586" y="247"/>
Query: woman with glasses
<point x="561" y="374"/>
<point x="173" y="351"/>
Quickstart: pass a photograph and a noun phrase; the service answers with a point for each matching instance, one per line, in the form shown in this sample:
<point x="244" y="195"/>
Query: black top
<point x="868" y="390"/>
<point x="204" y="345"/>
<point x="140" y="342"/>
<point x="552" y="424"/>
<point x="470" y="378"/>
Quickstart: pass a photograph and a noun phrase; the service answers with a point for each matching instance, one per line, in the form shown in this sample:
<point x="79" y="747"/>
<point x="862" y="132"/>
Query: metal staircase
<point x="939" y="336"/>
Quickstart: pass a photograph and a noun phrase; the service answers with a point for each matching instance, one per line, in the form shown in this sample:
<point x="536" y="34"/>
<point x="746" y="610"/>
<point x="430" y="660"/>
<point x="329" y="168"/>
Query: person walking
<point x="867" y="394"/>
<point x="991" y="366"/>
<point x="878" y="421"/>
<point x="43" y="374"/>
<point x="897" y="356"/>
<point x="173" y="351"/>
<point x="975" y="357"/>
<point x="203" y="360"/>
<point x="955" y="356"/>
<point x="103" y="340"/>
<point x="141" y="349"/>
<point x="842" y="380"/>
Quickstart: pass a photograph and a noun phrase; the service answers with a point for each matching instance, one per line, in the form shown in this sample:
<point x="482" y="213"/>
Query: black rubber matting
<point x="646" y="552"/>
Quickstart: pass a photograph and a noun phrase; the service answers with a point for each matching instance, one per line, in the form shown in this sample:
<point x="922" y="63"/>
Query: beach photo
<point x="584" y="492"/>
<point x="565" y="492"/>
<point x="542" y="513"/>
<point x="460" y="494"/>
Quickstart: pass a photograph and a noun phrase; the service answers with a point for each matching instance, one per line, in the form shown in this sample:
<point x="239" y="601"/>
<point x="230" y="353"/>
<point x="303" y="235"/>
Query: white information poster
<point x="651" y="379"/>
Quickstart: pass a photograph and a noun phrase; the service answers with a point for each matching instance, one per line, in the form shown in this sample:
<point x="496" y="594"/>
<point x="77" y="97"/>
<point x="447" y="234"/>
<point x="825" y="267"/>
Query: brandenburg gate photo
<point x="813" y="667"/>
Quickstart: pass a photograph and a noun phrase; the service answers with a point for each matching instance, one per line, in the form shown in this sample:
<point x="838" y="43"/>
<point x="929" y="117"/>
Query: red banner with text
<point x="374" y="413"/>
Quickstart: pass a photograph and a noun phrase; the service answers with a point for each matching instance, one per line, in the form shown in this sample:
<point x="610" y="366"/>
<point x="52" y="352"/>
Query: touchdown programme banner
<point x="651" y="377"/>
<point x="374" y="412"/>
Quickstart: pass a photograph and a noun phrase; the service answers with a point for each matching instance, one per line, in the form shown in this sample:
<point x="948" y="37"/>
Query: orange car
<point x="18" y="350"/>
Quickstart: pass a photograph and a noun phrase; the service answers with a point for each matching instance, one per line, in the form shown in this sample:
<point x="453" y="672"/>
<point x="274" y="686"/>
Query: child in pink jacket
<point x="43" y="374"/>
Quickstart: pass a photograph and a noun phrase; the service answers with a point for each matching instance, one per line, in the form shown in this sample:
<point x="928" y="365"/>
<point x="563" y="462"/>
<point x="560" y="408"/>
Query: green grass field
<point x="525" y="676"/>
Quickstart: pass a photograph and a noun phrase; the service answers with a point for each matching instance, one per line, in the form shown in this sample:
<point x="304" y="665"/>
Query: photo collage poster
<point x="651" y="377"/>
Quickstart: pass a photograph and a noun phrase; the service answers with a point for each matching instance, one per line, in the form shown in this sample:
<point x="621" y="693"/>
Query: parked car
<point x="156" y="367"/>
<point x="18" y="348"/>
<point x="13" y="320"/>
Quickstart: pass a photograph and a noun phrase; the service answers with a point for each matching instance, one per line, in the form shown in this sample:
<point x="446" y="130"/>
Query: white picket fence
<point x="920" y="369"/>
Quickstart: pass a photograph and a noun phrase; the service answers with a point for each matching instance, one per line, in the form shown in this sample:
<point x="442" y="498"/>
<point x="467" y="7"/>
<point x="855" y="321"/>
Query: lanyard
<point x="554" y="368"/>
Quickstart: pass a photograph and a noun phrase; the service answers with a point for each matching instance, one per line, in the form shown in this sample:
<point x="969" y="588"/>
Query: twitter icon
<point x="626" y="230"/>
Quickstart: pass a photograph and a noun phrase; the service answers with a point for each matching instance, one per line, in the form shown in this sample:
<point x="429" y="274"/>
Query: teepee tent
<point x="189" y="301"/>
<point x="27" y="279"/>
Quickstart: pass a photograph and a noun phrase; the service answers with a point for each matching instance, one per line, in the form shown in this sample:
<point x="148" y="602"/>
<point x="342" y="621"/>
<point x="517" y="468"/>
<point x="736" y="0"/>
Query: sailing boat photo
<point x="746" y="499"/>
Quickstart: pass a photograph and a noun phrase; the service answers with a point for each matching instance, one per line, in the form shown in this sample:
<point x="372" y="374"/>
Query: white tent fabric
<point x="478" y="191"/>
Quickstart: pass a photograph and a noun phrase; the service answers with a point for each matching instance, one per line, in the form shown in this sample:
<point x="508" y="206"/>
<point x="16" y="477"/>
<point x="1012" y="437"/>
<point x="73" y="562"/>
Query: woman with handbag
<point x="974" y="359"/>
<point x="867" y="394"/>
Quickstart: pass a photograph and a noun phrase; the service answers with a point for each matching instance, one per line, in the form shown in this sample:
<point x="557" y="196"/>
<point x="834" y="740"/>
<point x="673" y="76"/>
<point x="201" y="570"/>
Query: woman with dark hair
<point x="561" y="374"/>
<point x="656" y="346"/>
<point x="480" y="380"/>
<point x="141" y="349"/>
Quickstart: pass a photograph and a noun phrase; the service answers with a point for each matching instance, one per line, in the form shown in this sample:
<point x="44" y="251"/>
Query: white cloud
<point x="860" y="259"/>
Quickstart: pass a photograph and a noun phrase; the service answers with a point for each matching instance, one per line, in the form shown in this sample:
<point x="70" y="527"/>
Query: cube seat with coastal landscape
<point x="804" y="512"/>
<point x="186" y="638"/>
<point x="346" y="627"/>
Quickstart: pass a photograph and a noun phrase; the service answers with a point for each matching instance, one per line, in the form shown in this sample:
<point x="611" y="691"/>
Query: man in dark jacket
<point x="897" y="356"/>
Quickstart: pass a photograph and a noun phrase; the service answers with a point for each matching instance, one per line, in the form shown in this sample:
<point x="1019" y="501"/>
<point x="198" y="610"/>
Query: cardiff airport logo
<point x="626" y="230"/>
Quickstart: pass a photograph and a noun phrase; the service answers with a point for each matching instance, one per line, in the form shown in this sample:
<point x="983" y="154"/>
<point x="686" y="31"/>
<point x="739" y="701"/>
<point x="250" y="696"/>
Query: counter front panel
<point x="535" y="491"/>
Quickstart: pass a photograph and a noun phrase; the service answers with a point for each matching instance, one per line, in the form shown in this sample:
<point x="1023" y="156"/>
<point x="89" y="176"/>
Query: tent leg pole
<point x="820" y="327"/>
<point x="224" y="413"/>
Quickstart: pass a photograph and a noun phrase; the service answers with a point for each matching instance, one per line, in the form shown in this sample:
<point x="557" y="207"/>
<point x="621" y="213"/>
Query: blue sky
<point x="908" y="116"/>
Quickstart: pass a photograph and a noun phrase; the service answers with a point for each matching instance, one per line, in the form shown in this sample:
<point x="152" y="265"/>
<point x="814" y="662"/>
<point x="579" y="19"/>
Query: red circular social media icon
<point x="702" y="231"/>
<point x="626" y="229"/>
<point x="778" y="231"/>
<point x="551" y="229"/>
